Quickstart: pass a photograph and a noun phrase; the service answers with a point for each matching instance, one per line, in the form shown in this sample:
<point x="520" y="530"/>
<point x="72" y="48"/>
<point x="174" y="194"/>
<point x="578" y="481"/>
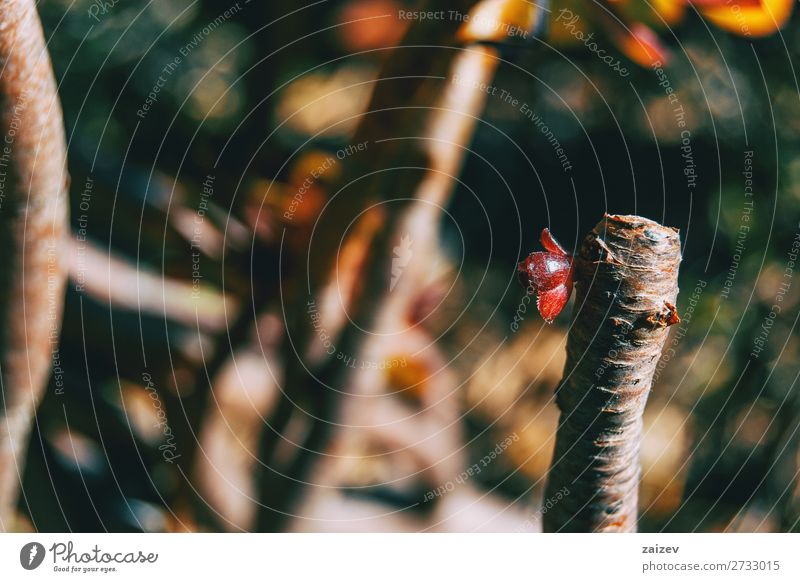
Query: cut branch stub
<point x="627" y="285"/>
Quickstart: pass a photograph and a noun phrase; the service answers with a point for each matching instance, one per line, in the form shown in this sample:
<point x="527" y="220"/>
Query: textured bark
<point x="627" y="284"/>
<point x="33" y="228"/>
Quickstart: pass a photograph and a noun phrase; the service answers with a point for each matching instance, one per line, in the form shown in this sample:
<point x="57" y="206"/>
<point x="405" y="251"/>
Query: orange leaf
<point x="642" y="45"/>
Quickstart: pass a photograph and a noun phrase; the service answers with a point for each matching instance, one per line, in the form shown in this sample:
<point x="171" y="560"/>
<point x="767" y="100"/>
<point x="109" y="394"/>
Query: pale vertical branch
<point x="627" y="284"/>
<point x="33" y="227"/>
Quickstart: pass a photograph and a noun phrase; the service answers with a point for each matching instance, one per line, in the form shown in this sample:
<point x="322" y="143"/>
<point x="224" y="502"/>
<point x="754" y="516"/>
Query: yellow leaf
<point x="671" y="11"/>
<point x="499" y="21"/>
<point x="750" y="20"/>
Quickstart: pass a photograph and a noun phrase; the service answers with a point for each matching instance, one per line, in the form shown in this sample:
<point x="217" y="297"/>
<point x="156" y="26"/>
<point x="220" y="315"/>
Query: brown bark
<point x="627" y="284"/>
<point x="33" y="227"/>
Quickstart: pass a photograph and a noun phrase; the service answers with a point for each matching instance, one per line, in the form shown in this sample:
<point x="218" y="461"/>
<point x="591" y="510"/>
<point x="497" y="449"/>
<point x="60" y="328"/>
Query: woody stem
<point x="33" y="227"/>
<point x="627" y="284"/>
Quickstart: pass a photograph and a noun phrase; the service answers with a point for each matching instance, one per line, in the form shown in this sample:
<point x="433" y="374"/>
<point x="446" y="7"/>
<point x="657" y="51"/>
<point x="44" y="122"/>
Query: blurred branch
<point x="418" y="126"/>
<point x="33" y="227"/>
<point x="109" y="278"/>
<point x="627" y="284"/>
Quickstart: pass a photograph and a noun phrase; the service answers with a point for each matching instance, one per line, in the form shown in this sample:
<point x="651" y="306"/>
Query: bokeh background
<point x="174" y="353"/>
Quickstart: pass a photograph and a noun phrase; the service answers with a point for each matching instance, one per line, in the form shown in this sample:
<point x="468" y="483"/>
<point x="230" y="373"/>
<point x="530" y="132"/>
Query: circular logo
<point x="31" y="555"/>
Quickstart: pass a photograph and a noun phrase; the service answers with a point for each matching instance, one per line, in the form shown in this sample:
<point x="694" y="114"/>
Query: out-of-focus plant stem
<point x="33" y="230"/>
<point x="418" y="126"/>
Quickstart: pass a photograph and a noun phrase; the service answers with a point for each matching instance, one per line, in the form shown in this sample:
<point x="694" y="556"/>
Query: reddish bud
<point x="549" y="275"/>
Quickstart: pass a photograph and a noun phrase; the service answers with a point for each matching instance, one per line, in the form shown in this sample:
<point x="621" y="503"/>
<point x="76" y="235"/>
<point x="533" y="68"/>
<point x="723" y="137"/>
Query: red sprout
<point x="549" y="275"/>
